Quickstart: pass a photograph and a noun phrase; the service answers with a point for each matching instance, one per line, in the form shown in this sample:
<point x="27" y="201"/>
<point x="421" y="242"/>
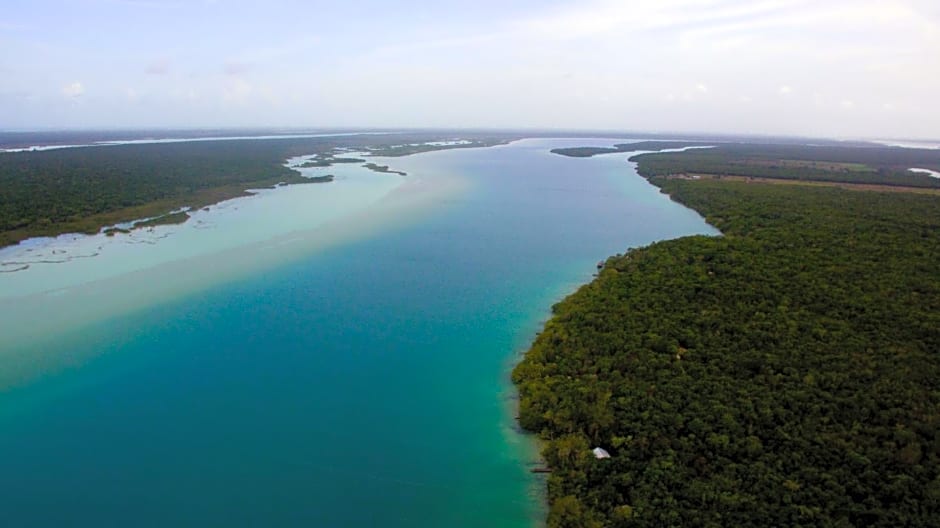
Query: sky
<point x="826" y="68"/>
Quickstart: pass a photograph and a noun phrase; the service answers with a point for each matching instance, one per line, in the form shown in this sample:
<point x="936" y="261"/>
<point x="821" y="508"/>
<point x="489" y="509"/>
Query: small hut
<point x="600" y="452"/>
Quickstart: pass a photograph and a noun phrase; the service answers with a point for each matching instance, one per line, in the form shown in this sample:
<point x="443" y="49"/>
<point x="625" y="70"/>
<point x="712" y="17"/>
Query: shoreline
<point x="539" y="468"/>
<point x="542" y="376"/>
<point x="95" y="224"/>
<point x="206" y="197"/>
<point x="67" y="309"/>
<point x="535" y="464"/>
<point x="531" y="445"/>
<point x="152" y="141"/>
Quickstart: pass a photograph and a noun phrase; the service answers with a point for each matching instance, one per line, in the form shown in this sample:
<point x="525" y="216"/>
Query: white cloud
<point x="235" y="68"/>
<point x="184" y="94"/>
<point x="238" y="91"/>
<point x="150" y="4"/>
<point x="770" y="66"/>
<point x="591" y="19"/>
<point x="73" y="90"/>
<point x="7" y="26"/>
<point x="159" y="67"/>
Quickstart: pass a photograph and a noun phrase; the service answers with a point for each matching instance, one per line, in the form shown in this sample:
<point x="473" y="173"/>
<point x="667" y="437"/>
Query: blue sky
<point x="844" y="68"/>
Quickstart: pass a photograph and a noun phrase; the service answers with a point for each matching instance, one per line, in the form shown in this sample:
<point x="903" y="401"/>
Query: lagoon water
<point x="361" y="381"/>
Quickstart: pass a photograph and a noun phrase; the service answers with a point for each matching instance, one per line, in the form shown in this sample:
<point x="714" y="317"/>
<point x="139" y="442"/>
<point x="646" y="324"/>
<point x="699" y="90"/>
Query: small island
<point x="383" y="169"/>
<point x="314" y="163"/>
<point x="321" y="179"/>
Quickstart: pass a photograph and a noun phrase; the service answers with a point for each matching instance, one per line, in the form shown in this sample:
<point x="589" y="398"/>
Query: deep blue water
<point x="366" y="385"/>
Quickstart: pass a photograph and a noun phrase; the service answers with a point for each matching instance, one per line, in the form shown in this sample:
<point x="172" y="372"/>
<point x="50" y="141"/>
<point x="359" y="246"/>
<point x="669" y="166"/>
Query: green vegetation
<point x="178" y="217"/>
<point x="328" y="161"/>
<point x="864" y="165"/>
<point x="83" y="189"/>
<point x="875" y="165"/>
<point x="806" y="164"/>
<point x="587" y="152"/>
<point x="784" y="374"/>
<point x="321" y="179"/>
<point x="111" y="231"/>
<point x="383" y="169"/>
<point x="315" y="163"/>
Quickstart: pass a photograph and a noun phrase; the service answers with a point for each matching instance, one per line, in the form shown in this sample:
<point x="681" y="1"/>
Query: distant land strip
<point x="862" y="165"/>
<point x="587" y="152"/>
<point x="86" y="189"/>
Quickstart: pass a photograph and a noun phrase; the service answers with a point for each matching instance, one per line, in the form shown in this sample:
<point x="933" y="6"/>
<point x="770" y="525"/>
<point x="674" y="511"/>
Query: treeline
<point x="587" y="152"/>
<point x="41" y="191"/>
<point x="784" y="374"/>
<point x="869" y="165"/>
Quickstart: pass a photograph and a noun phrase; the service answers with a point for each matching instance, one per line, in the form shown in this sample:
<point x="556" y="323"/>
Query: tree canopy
<point x="784" y="374"/>
<point x="867" y="165"/>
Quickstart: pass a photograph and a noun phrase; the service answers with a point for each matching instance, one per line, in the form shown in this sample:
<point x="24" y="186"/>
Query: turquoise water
<point x="365" y="384"/>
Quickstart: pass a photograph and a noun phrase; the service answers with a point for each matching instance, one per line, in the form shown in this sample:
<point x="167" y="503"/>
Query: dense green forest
<point x="784" y="374"/>
<point x="850" y="163"/>
<point x="44" y="192"/>
<point x="84" y="189"/>
<point x="869" y="165"/>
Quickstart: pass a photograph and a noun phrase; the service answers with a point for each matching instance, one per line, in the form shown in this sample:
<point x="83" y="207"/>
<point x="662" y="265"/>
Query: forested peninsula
<point x="867" y="164"/>
<point x="783" y="374"/>
<point x="85" y="189"/>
